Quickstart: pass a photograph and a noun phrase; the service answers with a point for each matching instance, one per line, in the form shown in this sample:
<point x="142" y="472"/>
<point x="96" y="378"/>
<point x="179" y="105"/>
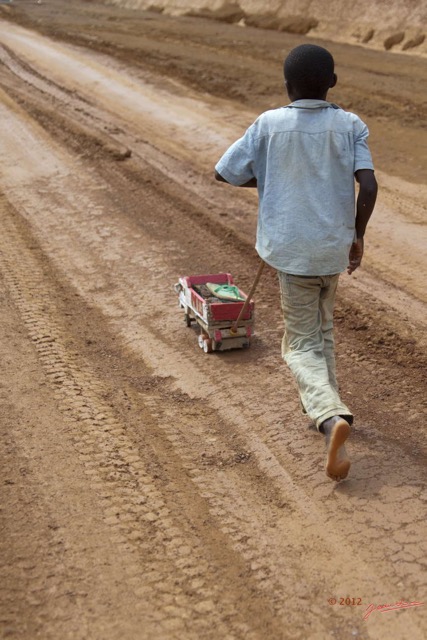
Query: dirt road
<point x="151" y="491"/>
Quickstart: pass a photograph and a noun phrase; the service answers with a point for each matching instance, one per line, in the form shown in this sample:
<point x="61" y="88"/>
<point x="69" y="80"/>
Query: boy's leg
<point x="308" y="343"/>
<point x="326" y="305"/>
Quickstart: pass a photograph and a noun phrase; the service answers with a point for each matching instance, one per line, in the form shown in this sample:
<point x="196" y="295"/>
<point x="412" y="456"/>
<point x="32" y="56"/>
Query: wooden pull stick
<point x="249" y="297"/>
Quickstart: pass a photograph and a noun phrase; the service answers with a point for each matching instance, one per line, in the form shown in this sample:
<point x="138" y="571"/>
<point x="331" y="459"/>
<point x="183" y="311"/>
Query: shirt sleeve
<point x="237" y="165"/>
<point x="362" y="154"/>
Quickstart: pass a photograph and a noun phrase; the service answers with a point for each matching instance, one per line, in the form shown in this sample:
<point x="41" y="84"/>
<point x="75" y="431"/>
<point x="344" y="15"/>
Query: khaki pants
<point x="308" y="343"/>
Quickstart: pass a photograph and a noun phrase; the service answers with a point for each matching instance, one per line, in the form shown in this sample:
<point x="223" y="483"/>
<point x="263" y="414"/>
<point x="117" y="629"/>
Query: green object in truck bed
<point x="225" y="291"/>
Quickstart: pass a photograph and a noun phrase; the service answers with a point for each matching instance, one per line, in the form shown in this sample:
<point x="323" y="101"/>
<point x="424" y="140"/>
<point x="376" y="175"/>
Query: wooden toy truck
<point x="215" y="316"/>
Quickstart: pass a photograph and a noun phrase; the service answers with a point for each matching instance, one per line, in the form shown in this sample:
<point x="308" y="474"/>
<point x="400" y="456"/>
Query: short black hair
<point x="309" y="69"/>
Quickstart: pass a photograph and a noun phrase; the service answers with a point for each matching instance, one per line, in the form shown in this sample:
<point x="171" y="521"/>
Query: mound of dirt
<point x="291" y="24"/>
<point x="395" y="38"/>
<point x="413" y="42"/>
<point x="227" y="13"/>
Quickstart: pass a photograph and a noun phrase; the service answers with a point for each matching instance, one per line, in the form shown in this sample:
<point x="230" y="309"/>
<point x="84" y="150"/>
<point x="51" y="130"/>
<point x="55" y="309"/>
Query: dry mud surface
<point x="151" y="491"/>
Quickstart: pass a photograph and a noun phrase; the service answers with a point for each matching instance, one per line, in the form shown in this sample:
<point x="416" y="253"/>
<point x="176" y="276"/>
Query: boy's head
<point x="309" y="72"/>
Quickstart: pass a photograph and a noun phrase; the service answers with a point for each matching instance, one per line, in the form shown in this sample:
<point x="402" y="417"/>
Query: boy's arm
<point x="366" y="198"/>
<point x="368" y="189"/>
<point x="251" y="183"/>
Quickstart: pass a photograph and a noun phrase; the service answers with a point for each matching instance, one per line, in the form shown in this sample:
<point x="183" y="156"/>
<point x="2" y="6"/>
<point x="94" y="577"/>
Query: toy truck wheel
<point x="207" y="345"/>
<point x="201" y="341"/>
<point x="187" y="319"/>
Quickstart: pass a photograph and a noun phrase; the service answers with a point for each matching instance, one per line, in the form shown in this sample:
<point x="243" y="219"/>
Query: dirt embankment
<point x="393" y="25"/>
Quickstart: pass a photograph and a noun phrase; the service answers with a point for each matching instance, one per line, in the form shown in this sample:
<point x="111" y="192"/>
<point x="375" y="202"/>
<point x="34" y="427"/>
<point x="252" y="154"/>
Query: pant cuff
<point x="331" y="414"/>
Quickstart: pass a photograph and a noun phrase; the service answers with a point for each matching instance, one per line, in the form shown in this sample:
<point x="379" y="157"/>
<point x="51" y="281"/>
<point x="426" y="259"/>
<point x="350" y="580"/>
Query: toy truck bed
<point x="215" y="316"/>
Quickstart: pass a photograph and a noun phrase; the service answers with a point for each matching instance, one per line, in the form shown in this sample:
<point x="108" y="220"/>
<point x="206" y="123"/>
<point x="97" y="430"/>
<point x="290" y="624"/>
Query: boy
<point x="304" y="159"/>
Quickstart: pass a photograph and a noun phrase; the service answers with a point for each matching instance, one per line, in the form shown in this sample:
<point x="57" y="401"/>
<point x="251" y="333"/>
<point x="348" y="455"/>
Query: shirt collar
<point x="308" y="103"/>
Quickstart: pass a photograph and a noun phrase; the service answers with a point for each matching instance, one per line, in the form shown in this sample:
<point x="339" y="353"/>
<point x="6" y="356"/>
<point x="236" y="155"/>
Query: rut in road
<point x="242" y="492"/>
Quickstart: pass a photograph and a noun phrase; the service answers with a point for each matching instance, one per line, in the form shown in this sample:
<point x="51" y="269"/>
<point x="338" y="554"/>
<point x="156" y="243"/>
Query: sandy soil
<point x="151" y="491"/>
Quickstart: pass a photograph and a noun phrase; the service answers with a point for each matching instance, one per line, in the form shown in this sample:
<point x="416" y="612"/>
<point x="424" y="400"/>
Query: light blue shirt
<point x="304" y="157"/>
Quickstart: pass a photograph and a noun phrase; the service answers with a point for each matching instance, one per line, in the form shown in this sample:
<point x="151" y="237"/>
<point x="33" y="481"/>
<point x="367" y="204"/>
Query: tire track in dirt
<point x="58" y="565"/>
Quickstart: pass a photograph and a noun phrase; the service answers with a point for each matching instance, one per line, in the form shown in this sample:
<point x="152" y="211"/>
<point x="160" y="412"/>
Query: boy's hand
<point x="355" y="256"/>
